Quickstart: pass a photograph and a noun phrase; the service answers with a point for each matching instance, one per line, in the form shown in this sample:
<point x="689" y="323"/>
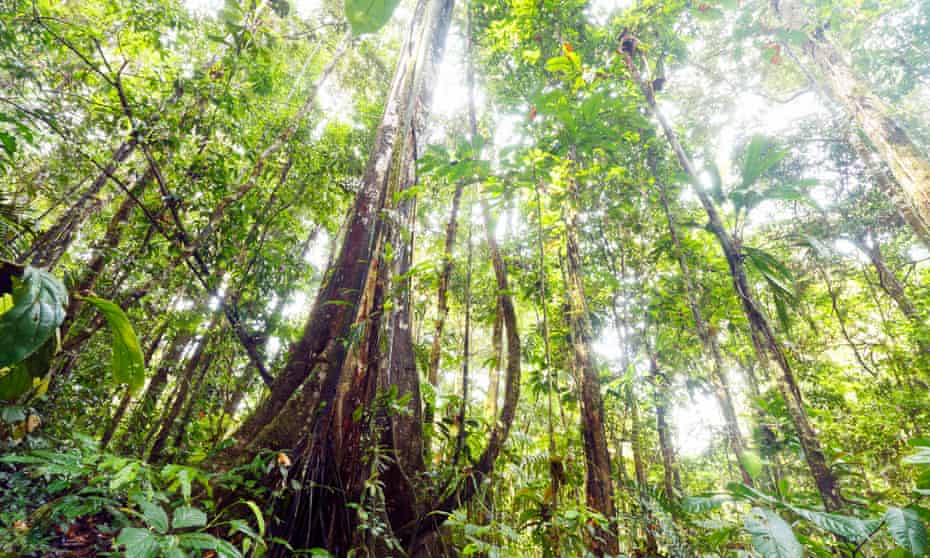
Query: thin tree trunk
<point x="660" y="399"/>
<point x="145" y="408"/>
<point x="598" y="478"/>
<point x="709" y="341"/>
<point x="442" y="309"/>
<point x="763" y="338"/>
<point x="184" y="383"/>
<point x="181" y="427"/>
<point x="888" y="281"/>
<point x="639" y="469"/>
<point x="107" y="244"/>
<point x="497" y="350"/>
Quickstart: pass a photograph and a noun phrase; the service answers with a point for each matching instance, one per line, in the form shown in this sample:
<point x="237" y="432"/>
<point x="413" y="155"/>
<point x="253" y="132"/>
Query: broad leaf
<point x="751" y="461"/>
<point x="187" y="516"/>
<point x="772" y="537"/>
<point x="197" y="541"/>
<point x="851" y="528"/>
<point x="14" y="382"/>
<point x="699" y="504"/>
<point x="368" y="16"/>
<point x="128" y="361"/>
<point x="154" y="515"/>
<point x="907" y="529"/>
<point x="138" y="543"/>
<point x="39" y="301"/>
<point x="226" y="550"/>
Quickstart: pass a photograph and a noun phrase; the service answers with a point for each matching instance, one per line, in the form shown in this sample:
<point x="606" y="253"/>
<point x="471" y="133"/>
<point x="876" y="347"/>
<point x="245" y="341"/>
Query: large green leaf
<point x="14" y="382"/>
<point x="907" y="529"/>
<point x="39" y="301"/>
<point x="154" y="515"/>
<point x="128" y="361"/>
<point x="186" y="516"/>
<point x="772" y="537"/>
<point x="138" y="543"/>
<point x="197" y="541"/>
<point x="851" y="528"/>
<point x="699" y="504"/>
<point x="751" y="461"/>
<point x="368" y="16"/>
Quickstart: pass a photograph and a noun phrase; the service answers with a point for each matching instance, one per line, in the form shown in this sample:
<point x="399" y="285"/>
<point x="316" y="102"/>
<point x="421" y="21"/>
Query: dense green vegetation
<point x="487" y="278"/>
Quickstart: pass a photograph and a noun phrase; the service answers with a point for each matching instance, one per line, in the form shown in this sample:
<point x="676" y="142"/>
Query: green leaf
<point x="761" y="155"/>
<point x="14" y="382"/>
<point x="920" y="457"/>
<point x="187" y="516"/>
<point x="138" y="543"/>
<point x="128" y="361"/>
<point x="197" y="541"/>
<point x="772" y="537"/>
<point x="851" y="528"/>
<point x="699" y="504"/>
<point x="227" y="550"/>
<point x="907" y="529"/>
<point x="154" y="515"/>
<point x="39" y="301"/>
<point x="259" y="518"/>
<point x="368" y="16"/>
<point x="751" y="461"/>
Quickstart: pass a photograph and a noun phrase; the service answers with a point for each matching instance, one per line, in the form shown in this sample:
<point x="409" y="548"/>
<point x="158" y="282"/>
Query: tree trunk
<point x="598" y="478"/>
<point x="709" y="341"/>
<point x="335" y="449"/>
<point x="337" y="305"/>
<point x="184" y="382"/>
<point x="659" y="382"/>
<point x="763" y="338"/>
<point x="837" y="78"/>
<point x="102" y="250"/>
<point x="497" y="350"/>
<point x="191" y="405"/>
<point x="888" y="280"/>
<point x="52" y="245"/>
<point x="442" y="309"/>
<point x="145" y="408"/>
<point x="639" y="470"/>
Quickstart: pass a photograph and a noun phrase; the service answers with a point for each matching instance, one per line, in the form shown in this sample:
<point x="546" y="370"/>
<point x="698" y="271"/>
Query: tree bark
<point x="709" y="341"/>
<point x="763" y="337"/>
<point x="659" y="382"/>
<point x="334" y="450"/>
<point x="337" y="304"/>
<point x="442" y="308"/>
<point x="598" y="479"/>
<point x="837" y="78"/>
<point x="145" y="408"/>
<point x="497" y="350"/>
<point x="184" y="382"/>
